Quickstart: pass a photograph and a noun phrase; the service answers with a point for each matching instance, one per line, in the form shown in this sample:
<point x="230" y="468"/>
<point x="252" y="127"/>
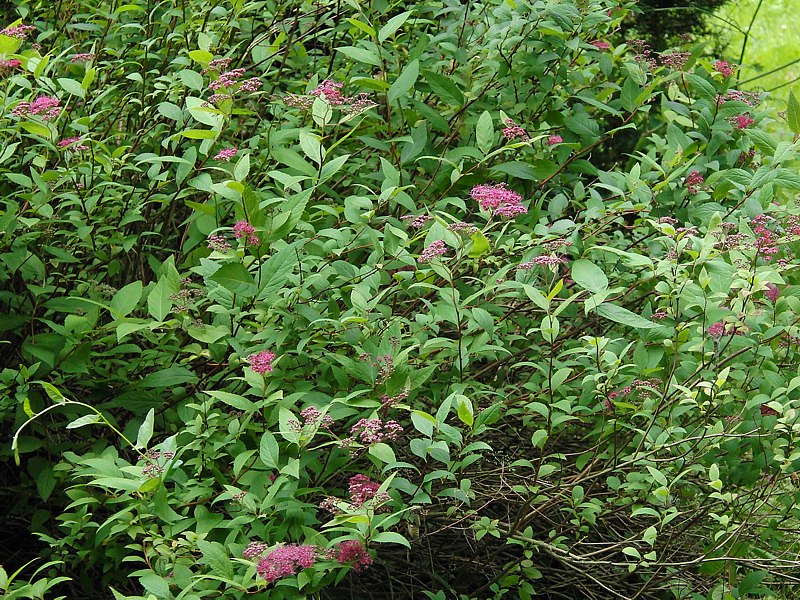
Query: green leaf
<point x="158" y="300"/>
<point x="484" y="132"/>
<point x="200" y="134"/>
<point x="383" y="452"/>
<point x="171" y="111"/>
<point x="9" y="44"/>
<point x="390" y="537"/>
<point x="83" y="421"/>
<point x="234" y="400"/>
<point x="589" y="276"/>
<point x="465" y="411"/>
<point x="480" y="245"/>
<point x="126" y="299"/>
<point x="392" y="25"/>
<point x="793" y="113"/>
<point x="242" y="168"/>
<point x="444" y="88"/>
<point x="215" y="556"/>
<point x="72" y="87"/>
<point x="202" y="56"/>
<point x="311" y="146"/>
<point x="404" y="82"/>
<point x="235" y="278"/>
<point x="167" y="378"/>
<point x="155" y="584"/>
<point x="35" y="128"/>
<point x="361" y="55"/>
<point x="268" y="451"/>
<point x="191" y="79"/>
<point x="626" y="317"/>
<point x="145" y="430"/>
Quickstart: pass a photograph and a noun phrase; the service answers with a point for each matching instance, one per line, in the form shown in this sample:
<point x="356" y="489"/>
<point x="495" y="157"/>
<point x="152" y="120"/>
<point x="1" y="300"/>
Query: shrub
<point x="334" y="299"/>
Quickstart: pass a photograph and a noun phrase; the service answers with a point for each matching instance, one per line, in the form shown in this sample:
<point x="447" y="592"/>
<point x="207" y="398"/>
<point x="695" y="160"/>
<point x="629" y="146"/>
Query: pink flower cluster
<point x="435" y="249"/>
<point x="741" y="121"/>
<point x="766" y="242"/>
<point x="254" y="549"/>
<point x="218" y="64"/>
<point x="554" y="140"/>
<point x="243" y="230"/>
<point x="372" y="431"/>
<point x="416" y="221"/>
<point x="286" y="560"/>
<point x="675" y="60"/>
<point x="354" y="553"/>
<point x="716" y="330"/>
<point x="772" y="293"/>
<point x="20" y="31"/>
<point x="361" y="488"/>
<point x="12" y="63"/>
<point x="463" y="227"/>
<point x="82" y="57"/>
<point x="227" y="79"/>
<point x="752" y="99"/>
<point x="331" y="91"/>
<point x="643" y="387"/>
<point x="218" y="243"/>
<point x="261" y="362"/>
<point x="724" y="68"/>
<point x="47" y="107"/>
<point x="73" y="143"/>
<point x="600" y="44"/>
<point x="644" y="53"/>
<point x="512" y="131"/>
<point x="693" y="181"/>
<point x="313" y="417"/>
<point x="289" y="559"/>
<point x="505" y="202"/>
<point x="230" y="79"/>
<point x="226" y="153"/>
<point x="543" y="260"/>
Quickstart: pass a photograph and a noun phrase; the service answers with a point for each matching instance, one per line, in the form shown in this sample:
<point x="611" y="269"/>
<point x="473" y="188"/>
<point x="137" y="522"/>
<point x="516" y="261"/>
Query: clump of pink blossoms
<point x="724" y="68"/>
<point x="716" y="330"/>
<point x="286" y="560"/>
<point x="361" y="488"/>
<point x="19" y="31"/>
<point x="512" y="130"/>
<point x="742" y="121"/>
<point x="354" y="553"/>
<point x="416" y="221"/>
<point x="12" y="63"/>
<point x="372" y="431"/>
<point x="261" y="362"/>
<point x="554" y="139"/>
<point x="73" y="143"/>
<point x="82" y="57"/>
<point x="600" y="44"/>
<point x="46" y="107"/>
<point x="218" y="243"/>
<point x="226" y="154"/>
<point x="693" y="181"/>
<point x="435" y="249"/>
<point x="332" y="92"/>
<point x="773" y="291"/>
<point x="243" y="230"/>
<point x="505" y="202"/>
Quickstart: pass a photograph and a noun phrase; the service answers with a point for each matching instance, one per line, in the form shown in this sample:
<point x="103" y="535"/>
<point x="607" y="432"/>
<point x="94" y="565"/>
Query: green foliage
<point x="410" y="327"/>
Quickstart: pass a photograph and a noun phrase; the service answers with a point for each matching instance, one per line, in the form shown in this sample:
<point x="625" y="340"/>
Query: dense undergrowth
<point x="391" y="300"/>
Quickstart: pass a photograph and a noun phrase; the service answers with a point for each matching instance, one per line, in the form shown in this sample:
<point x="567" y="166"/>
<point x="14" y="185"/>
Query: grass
<point x="771" y="39"/>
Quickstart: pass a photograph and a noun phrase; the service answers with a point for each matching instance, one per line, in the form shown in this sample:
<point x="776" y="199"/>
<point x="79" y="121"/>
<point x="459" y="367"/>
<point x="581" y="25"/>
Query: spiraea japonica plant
<point x="394" y="300"/>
